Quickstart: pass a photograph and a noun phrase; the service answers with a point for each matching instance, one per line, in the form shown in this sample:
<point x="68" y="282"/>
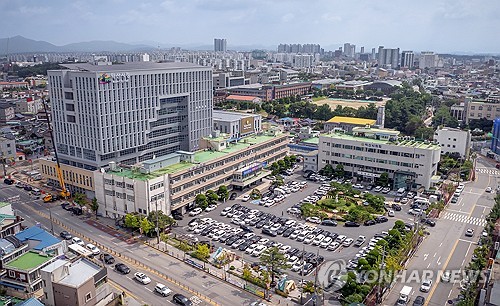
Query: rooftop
<point x="201" y="156"/>
<point x="230" y="116"/>
<point x="352" y="120"/>
<point x="400" y="143"/>
<point x="28" y="261"/>
<point x="241" y="98"/>
<point x="80" y="272"/>
<point x="313" y="140"/>
<point x="132" y="66"/>
<point x="35" y="233"/>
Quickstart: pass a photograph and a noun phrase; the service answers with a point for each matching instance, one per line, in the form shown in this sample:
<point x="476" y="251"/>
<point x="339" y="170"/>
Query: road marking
<point x="435" y="255"/>
<point x="428" y="265"/>
<point x="440" y="244"/>
<point x="468" y="241"/>
<point x="449" y="294"/>
<point x="438" y="259"/>
<point x="468" y="249"/>
<point x="147" y="258"/>
<point x="425" y="256"/>
<point x="431" y="292"/>
<point x="148" y="289"/>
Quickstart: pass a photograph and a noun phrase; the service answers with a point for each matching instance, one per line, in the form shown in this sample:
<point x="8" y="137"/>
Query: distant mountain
<point x="20" y="44"/>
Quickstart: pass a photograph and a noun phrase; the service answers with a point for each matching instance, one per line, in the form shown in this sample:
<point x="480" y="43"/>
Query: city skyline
<point x="441" y="26"/>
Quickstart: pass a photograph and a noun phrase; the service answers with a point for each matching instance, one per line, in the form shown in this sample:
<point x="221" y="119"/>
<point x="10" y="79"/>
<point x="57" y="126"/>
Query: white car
<point x="162" y="289"/>
<point x="318" y="239"/>
<point x="211" y="207"/>
<point x="347" y="242"/>
<point x="275" y="227"/>
<point x="245" y="198"/>
<point x="195" y="212"/>
<point x="142" y="278"/>
<point x="77" y="241"/>
<point x="263" y="241"/>
<point x="269" y="203"/>
<point x="290" y="222"/>
<point x="259" y="250"/>
<point x="297" y="266"/>
<point x="391" y="213"/>
<point x="378" y="188"/>
<point x="326" y="242"/>
<point x="488" y="189"/>
<point x="251" y="248"/>
<point x="386" y="190"/>
<point x="283" y="249"/>
<point x="484" y="233"/>
<point x="340" y="238"/>
<point x="95" y="250"/>
<point x="237" y="221"/>
<point x="292" y="260"/>
<point x="333" y="246"/>
<point x="225" y="211"/>
<point x="426" y="285"/>
<point x="309" y="238"/>
<point x="295" y="234"/>
<point x="199" y="229"/>
<point x="314" y="220"/>
<point x="192" y="226"/>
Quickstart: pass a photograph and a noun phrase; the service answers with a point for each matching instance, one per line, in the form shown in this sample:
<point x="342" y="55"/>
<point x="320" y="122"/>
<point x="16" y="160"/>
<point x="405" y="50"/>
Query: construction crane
<point x="65" y="193"/>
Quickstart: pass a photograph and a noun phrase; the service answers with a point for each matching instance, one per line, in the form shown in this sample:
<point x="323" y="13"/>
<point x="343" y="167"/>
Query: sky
<point x="435" y="25"/>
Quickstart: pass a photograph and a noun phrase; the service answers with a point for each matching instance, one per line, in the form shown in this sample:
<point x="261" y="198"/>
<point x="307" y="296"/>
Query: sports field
<point x="350" y="103"/>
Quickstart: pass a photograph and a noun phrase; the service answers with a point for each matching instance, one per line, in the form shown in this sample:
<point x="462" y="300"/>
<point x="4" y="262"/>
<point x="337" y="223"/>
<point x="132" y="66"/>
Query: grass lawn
<point x="318" y="98"/>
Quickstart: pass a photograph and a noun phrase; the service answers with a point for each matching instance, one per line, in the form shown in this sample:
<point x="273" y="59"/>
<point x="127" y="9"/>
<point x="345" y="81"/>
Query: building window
<point x="88" y="296"/>
<point x="12" y="274"/>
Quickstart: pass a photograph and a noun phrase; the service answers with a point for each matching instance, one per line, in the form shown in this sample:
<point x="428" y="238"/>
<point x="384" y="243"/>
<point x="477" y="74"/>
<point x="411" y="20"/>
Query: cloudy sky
<point x="437" y="25"/>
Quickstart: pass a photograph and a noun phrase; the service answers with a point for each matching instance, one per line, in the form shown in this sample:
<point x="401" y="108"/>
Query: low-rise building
<point x="369" y="152"/>
<point x="76" y="179"/>
<point x="347" y="123"/>
<point x="236" y="98"/>
<point x="7" y="112"/>
<point x="171" y="183"/>
<point x="79" y="282"/>
<point x="7" y="149"/>
<point x="386" y="86"/>
<point x="237" y="125"/>
<point x="310" y="161"/>
<point x="353" y="85"/>
<point x="453" y="141"/>
<point x="9" y="223"/>
<point x="482" y="109"/>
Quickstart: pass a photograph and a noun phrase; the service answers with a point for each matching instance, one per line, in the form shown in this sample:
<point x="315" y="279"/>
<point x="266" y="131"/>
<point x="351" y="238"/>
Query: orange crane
<point x="65" y="193"/>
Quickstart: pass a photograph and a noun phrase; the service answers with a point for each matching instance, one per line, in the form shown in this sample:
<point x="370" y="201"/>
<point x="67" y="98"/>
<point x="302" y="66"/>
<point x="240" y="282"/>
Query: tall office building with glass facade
<point x="128" y="113"/>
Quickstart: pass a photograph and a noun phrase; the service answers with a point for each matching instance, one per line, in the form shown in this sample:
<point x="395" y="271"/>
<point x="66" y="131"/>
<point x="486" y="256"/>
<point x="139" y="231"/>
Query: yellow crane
<point x="65" y="193"/>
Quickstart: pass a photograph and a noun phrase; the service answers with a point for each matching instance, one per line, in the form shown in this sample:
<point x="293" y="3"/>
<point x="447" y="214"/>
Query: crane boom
<point x="65" y="192"/>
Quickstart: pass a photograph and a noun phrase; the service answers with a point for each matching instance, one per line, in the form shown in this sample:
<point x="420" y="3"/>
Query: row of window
<point x="373" y="150"/>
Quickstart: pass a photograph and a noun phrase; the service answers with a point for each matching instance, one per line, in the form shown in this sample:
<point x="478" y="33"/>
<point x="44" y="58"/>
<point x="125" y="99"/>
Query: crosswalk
<point x="489" y="171"/>
<point x="464" y="219"/>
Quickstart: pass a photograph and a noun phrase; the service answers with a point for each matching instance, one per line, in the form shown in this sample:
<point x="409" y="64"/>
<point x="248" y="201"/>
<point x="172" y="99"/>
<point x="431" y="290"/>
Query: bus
<point x="79" y="250"/>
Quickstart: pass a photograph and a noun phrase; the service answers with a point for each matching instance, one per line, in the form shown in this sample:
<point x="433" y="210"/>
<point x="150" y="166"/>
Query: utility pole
<point x="157" y="225"/>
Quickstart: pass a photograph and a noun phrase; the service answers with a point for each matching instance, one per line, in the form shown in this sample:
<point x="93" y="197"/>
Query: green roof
<point x="402" y="143"/>
<point x="3" y="204"/>
<point x="314" y="140"/>
<point x="4" y="216"/>
<point x="13" y="300"/>
<point x="28" y="261"/>
<point x="202" y="156"/>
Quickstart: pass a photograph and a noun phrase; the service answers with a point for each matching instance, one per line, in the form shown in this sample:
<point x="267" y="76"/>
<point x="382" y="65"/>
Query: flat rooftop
<point x="28" y="261"/>
<point x="230" y="116"/>
<point x="400" y="143"/>
<point x="80" y="272"/>
<point x="313" y="140"/>
<point x="201" y="156"/>
<point x="352" y="120"/>
<point x="132" y="66"/>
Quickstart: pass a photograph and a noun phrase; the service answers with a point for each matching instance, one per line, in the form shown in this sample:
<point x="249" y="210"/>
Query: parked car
<point x="77" y="241"/>
<point x="95" y="250"/>
<point x="369" y="222"/>
<point x="65" y="235"/>
<point x="181" y="300"/>
<point x="396" y="207"/>
<point x="329" y="222"/>
<point x="245" y="198"/>
<point x="391" y="213"/>
<point x="122" y="268"/>
<point x="142" y="278"/>
<point x="426" y="285"/>
<point x="419" y="301"/>
<point x="195" y="212"/>
<point x="351" y="224"/>
<point x="108" y="259"/>
<point x="269" y="232"/>
<point x="469" y="232"/>
<point x="314" y="220"/>
<point x="162" y="290"/>
<point x="233" y="196"/>
<point x="210" y="208"/>
<point x="8" y="181"/>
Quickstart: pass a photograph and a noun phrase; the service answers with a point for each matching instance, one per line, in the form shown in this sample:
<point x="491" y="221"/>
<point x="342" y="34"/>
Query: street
<point x="447" y="248"/>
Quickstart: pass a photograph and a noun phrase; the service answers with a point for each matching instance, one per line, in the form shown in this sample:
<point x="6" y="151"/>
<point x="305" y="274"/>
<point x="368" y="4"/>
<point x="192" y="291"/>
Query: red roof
<point x="241" y="98"/>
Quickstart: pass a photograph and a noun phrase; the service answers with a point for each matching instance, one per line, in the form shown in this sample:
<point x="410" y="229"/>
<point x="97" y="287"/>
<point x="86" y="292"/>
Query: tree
<point x="212" y="197"/>
<point x="201" y="201"/>
<point x="274" y="259"/>
<point x="94" y="206"/>
<point x="80" y="199"/>
<point x="339" y="170"/>
<point x="202" y="251"/>
<point x="146" y="226"/>
<point x="164" y="221"/>
<point x="383" y="180"/>
<point x="327" y="170"/>
<point x="223" y="193"/>
<point x="131" y="221"/>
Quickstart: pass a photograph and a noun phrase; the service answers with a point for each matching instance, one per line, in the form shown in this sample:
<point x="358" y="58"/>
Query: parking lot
<point x="248" y="228"/>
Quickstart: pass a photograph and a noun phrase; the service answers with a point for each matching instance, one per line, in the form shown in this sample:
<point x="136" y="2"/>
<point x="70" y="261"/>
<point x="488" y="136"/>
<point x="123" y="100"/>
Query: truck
<point x="404" y="296"/>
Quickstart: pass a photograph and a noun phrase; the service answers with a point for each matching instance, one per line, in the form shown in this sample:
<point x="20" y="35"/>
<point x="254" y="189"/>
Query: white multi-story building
<point x="407" y="59"/>
<point x="129" y="112"/>
<point x="368" y="152"/>
<point x="453" y="141"/>
<point x="388" y="57"/>
<point x="303" y="60"/>
<point x="428" y="59"/>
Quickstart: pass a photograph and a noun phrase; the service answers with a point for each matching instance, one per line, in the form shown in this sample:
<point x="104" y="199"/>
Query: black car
<point x="419" y="301"/>
<point x="396" y="207"/>
<point x="351" y="224"/>
<point x="288" y="232"/>
<point x="430" y="222"/>
<point x="233" y="196"/>
<point x="381" y="219"/>
<point x="269" y="232"/>
<point x="300" y="254"/>
<point x="413" y="206"/>
<point x="77" y="210"/>
<point x="8" y="181"/>
<point x="281" y="230"/>
<point x="28" y="188"/>
<point x="369" y="222"/>
<point x="194" y="220"/>
<point x="231" y="240"/>
<point x="244" y="245"/>
<point x="122" y="268"/>
<point x="253" y="221"/>
<point x="292" y="252"/>
<point x="65" y="205"/>
<point x="329" y="222"/>
<point x="65" y="235"/>
<point x="246" y="228"/>
<point x="177" y="216"/>
<point x="108" y="259"/>
<point x="334" y="235"/>
<point x="309" y="255"/>
<point x="308" y="267"/>
<point x="181" y="300"/>
<point x="254" y="239"/>
<point x="260" y="224"/>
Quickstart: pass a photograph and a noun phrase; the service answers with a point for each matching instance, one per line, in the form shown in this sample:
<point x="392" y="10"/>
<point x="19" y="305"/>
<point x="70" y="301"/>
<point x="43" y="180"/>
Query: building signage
<point x="368" y="174"/>
<point x="120" y="77"/>
<point x="252" y="169"/>
<point x="246" y="125"/>
<point x="372" y="145"/>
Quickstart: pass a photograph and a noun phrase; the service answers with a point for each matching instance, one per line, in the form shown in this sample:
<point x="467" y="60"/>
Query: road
<point x="447" y="248"/>
<point x="219" y="291"/>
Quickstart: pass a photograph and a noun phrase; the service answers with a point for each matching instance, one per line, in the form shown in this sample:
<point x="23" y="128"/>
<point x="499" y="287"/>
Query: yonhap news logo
<point x="332" y="275"/>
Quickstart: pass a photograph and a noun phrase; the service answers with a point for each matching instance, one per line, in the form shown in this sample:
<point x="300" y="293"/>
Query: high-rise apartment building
<point x="388" y="57"/>
<point x="407" y="59"/>
<point x="220" y="45"/>
<point x="128" y="113"/>
<point x="298" y="48"/>
<point x="427" y="59"/>
<point x="349" y="50"/>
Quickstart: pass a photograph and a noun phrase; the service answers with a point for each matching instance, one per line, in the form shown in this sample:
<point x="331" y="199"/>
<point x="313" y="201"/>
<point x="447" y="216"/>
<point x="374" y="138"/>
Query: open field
<point x="350" y="103"/>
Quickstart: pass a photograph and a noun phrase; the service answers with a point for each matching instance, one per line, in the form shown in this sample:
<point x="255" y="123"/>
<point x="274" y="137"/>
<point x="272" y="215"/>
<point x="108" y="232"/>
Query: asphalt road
<point x="447" y="248"/>
<point x="219" y="291"/>
<point x="344" y="253"/>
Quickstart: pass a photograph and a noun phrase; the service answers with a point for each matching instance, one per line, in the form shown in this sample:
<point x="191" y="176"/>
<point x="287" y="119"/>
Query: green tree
<point x="383" y="180"/>
<point x="94" y="206"/>
<point x="80" y="199"/>
<point x="424" y="133"/>
<point x="212" y="197"/>
<point x="164" y="221"/>
<point x="146" y="226"/>
<point x="132" y="221"/>
<point x="339" y="170"/>
<point x="202" y="251"/>
<point x="201" y="201"/>
<point x="327" y="170"/>
<point x="274" y="259"/>
<point x="223" y="193"/>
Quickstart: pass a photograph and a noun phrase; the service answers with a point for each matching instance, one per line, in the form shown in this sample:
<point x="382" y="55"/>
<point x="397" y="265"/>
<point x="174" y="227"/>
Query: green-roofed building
<point x="368" y="152"/>
<point x="171" y="183"/>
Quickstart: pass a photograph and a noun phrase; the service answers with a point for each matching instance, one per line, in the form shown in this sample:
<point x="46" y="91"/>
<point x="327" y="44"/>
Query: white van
<point x="401" y="191"/>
